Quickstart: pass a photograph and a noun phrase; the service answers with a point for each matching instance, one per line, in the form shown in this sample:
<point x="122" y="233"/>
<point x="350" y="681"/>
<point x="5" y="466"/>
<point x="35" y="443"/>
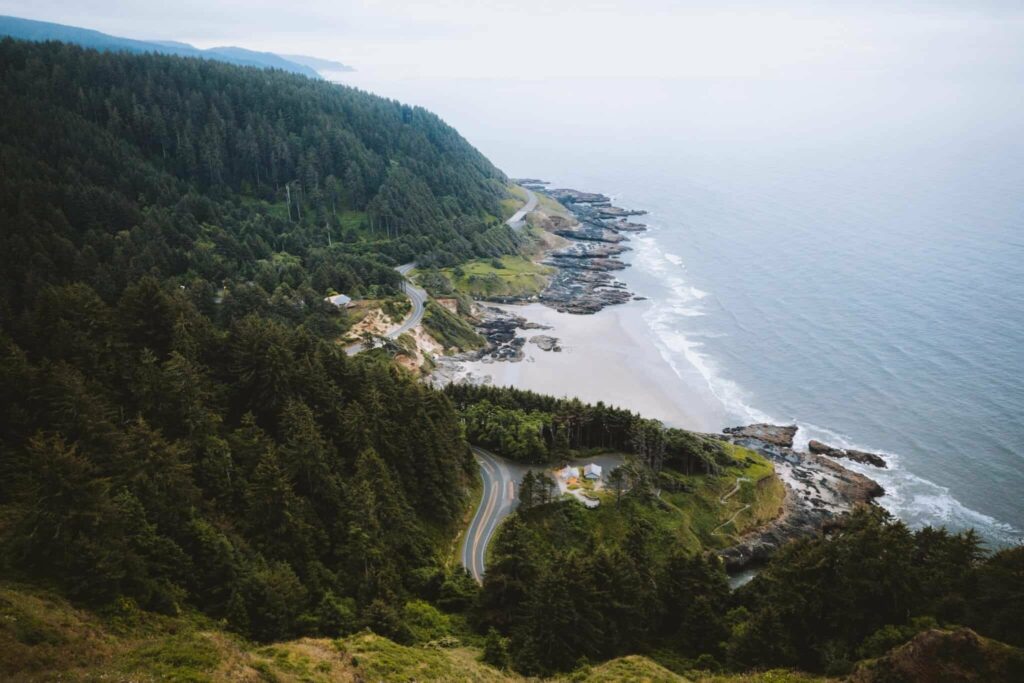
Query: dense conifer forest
<point x="178" y="426"/>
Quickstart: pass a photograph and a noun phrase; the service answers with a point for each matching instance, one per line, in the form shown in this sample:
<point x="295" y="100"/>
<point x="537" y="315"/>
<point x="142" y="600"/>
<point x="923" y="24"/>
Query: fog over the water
<point x="606" y="38"/>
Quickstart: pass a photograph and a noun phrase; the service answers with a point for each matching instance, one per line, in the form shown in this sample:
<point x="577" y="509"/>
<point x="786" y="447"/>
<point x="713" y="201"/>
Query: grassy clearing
<point x="379" y="659"/>
<point x="551" y="207"/>
<point x="451" y="331"/>
<point x="757" y="501"/>
<point x="631" y="668"/>
<point x="353" y="220"/>
<point x="772" y="676"/>
<point x="44" y="638"/>
<point x="518" y="276"/>
<point x="511" y="204"/>
<point x="685" y="516"/>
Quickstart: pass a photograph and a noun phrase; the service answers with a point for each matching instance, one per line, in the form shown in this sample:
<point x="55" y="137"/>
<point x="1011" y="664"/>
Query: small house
<point x="339" y="300"/>
<point x="568" y="473"/>
<point x="592" y="471"/>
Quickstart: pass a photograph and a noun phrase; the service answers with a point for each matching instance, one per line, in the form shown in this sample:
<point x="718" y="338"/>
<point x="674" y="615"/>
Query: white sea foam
<point x="915" y="500"/>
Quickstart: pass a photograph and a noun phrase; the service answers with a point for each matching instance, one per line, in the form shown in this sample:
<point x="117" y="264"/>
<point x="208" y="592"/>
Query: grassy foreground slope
<point x="42" y="637"/>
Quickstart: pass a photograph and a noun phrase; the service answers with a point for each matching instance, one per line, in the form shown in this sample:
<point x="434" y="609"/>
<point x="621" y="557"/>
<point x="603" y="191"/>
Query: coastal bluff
<point x="819" y="492"/>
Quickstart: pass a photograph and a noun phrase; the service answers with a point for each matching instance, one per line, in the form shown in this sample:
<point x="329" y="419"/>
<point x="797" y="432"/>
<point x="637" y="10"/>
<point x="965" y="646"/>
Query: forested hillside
<point x="118" y="165"/>
<point x="178" y="426"/>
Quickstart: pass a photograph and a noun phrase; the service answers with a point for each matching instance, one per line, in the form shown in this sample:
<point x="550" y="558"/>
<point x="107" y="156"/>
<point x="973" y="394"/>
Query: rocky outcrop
<point x="616" y="212"/>
<point x="819" y="492"/>
<point x="532" y="183"/>
<point x="864" y="457"/>
<point x="582" y="290"/>
<point x="590" y="233"/>
<point x="567" y="196"/>
<point x="583" y="282"/>
<point x="623" y="225"/>
<point x="936" y="655"/>
<point x="545" y="343"/>
<point x="499" y="328"/>
<point x="773" y="434"/>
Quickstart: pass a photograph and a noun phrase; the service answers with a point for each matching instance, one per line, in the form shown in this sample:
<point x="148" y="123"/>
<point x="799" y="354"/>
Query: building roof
<point x="568" y="472"/>
<point x="339" y="300"/>
<point x="592" y="470"/>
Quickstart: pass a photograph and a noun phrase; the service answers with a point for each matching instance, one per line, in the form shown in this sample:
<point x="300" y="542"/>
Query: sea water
<point x="842" y="255"/>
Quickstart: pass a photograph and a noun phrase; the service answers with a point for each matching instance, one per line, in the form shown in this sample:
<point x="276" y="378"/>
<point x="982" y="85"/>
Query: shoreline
<point x="604" y="357"/>
<point x="585" y="336"/>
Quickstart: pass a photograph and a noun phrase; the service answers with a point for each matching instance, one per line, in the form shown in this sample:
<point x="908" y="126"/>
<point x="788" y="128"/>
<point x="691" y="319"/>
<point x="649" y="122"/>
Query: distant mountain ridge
<point x="319" y="64"/>
<point x="39" y="31"/>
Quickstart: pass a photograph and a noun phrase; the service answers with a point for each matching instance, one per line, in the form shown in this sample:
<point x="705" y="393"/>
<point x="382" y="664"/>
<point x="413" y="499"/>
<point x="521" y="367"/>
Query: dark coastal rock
<point x="546" y="343"/>
<point x="567" y="196"/>
<point x="582" y="283"/>
<point x="589" y="250"/>
<point x="864" y="457"/>
<point x="578" y="261"/>
<point x="590" y="233"/>
<point x="616" y="212"/>
<point x="773" y="434"/>
<point x="499" y="328"/>
<point x="582" y="291"/>
<point x="623" y="225"/>
<point x="819" y="493"/>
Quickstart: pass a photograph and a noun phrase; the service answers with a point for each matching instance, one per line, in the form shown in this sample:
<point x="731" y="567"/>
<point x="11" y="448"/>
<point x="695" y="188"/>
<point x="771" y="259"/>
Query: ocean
<point x="844" y="254"/>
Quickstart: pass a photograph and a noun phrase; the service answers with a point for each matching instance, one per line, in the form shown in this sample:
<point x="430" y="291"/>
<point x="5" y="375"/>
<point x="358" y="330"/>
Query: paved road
<point x="500" y="496"/>
<point x="517" y="218"/>
<point x="418" y="298"/>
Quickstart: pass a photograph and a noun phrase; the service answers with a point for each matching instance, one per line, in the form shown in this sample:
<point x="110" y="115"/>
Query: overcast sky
<point x="619" y="38"/>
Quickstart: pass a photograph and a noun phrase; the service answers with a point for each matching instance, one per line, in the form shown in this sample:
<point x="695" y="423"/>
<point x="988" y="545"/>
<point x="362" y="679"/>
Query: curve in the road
<point x="497" y="501"/>
<point x="417" y="296"/>
<point x="516" y="221"/>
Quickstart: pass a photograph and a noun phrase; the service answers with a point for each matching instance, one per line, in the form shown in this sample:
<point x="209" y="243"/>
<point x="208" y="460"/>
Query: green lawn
<point x="512" y="204"/>
<point x="687" y="517"/>
<point x="518" y="276"/>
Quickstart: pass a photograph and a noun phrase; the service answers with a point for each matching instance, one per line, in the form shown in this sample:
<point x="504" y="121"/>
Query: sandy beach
<point x="608" y="356"/>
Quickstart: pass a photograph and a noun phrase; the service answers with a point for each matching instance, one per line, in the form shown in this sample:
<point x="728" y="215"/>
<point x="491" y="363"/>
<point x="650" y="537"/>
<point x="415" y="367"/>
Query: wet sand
<point x="608" y="356"/>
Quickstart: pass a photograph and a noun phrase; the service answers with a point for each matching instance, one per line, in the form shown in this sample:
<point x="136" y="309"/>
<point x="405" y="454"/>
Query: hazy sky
<point x="621" y="38"/>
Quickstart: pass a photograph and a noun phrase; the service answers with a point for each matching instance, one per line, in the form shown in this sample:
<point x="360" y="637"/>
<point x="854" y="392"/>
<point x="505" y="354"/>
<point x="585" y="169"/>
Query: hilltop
<point x="28" y="29"/>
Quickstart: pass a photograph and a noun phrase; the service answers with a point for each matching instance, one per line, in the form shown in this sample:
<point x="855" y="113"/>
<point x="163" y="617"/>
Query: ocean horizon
<point x="842" y="256"/>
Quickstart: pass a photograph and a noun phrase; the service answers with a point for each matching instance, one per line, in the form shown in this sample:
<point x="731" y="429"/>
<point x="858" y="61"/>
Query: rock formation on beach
<point x="545" y="342"/>
<point x="583" y="283"/>
<point x="771" y="434"/>
<point x="864" y="457"/>
<point x="819" y="491"/>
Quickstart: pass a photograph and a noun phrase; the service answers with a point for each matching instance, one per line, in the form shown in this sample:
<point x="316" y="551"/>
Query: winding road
<point x="500" y="496"/>
<point x="417" y="296"/>
<point x="500" y="477"/>
<point x="516" y="221"/>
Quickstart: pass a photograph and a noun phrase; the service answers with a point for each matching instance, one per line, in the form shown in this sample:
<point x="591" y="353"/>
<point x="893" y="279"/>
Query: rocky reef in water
<point x="584" y="281"/>
<point x="819" y="492"/>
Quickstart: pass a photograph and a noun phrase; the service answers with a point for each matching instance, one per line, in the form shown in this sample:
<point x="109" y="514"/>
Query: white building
<point x="567" y="473"/>
<point x="339" y="300"/>
<point x="592" y="471"/>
